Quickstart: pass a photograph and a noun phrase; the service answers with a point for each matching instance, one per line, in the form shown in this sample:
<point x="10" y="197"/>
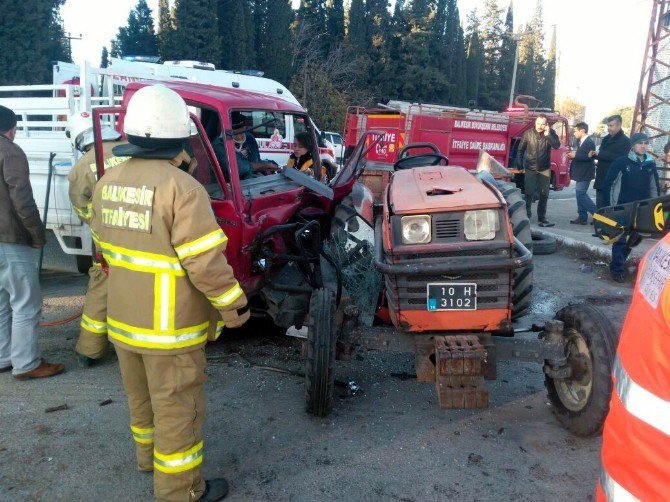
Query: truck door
<point x="204" y="146"/>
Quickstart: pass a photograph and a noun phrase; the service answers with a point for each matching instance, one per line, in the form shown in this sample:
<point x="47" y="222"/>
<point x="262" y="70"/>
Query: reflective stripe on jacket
<point x="84" y="175"/>
<point x="636" y="436"/>
<point x="154" y="225"/>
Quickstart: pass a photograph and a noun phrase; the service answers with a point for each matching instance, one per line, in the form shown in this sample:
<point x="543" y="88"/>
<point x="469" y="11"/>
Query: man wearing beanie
<point x="630" y="178"/>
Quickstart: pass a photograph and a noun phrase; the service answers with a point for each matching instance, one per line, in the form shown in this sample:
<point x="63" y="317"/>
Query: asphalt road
<point x="391" y="442"/>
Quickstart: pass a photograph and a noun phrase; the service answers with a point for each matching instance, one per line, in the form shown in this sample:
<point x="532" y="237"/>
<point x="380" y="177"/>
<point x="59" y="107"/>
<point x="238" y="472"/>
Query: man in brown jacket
<point x="156" y="230"/>
<point x="92" y="344"/>
<point x="21" y="232"/>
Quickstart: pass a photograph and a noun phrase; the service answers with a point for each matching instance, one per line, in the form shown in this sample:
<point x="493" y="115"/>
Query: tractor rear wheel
<point x="581" y="401"/>
<point x="522" y="278"/>
<point x="321" y="344"/>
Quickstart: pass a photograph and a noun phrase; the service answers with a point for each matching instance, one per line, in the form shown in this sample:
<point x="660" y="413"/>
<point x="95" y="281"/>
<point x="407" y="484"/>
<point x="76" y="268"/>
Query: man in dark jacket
<point x="582" y="170"/>
<point x="534" y="155"/>
<point x="630" y="178"/>
<point x="21" y="231"/>
<point x="616" y="144"/>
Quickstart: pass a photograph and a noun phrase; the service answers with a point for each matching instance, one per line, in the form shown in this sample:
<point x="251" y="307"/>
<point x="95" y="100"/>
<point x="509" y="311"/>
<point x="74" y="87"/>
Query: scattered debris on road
<point x="56" y="408"/>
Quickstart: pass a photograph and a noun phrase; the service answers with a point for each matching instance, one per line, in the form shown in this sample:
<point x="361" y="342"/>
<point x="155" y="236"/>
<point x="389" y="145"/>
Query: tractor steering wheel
<point x="426" y="159"/>
<point x="405" y="161"/>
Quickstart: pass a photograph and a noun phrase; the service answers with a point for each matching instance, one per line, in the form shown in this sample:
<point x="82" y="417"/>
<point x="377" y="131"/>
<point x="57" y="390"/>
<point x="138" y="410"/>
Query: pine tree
<point x="440" y="48"/>
<point x="31" y="36"/>
<point x="458" y="96"/>
<point x="378" y="30"/>
<point x="474" y="67"/>
<point x="277" y="64"/>
<point x="334" y="24"/>
<point x="104" y="58"/>
<point x="356" y="33"/>
<point x="114" y="51"/>
<point x="261" y="26"/>
<point x="399" y="30"/>
<point x="455" y="53"/>
<point x="60" y="47"/>
<point x="423" y="80"/>
<point x="507" y="54"/>
<point x="491" y="37"/>
<point x="419" y="11"/>
<point x="549" y="82"/>
<point x="531" y="70"/>
<point x="139" y="36"/>
<point x="312" y="13"/>
<point x="234" y="27"/>
<point x="196" y="34"/>
<point x="165" y="30"/>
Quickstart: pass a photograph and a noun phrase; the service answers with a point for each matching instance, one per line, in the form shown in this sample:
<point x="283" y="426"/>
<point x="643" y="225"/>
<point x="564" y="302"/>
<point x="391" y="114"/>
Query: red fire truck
<point x="459" y="133"/>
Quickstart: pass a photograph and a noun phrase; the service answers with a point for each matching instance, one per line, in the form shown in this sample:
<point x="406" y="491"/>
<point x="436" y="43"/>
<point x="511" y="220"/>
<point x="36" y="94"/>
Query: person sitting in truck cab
<point x="301" y="158"/>
<point x="249" y="163"/>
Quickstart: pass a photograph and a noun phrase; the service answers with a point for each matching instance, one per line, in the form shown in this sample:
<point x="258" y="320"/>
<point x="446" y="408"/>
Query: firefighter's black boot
<point x="215" y="489"/>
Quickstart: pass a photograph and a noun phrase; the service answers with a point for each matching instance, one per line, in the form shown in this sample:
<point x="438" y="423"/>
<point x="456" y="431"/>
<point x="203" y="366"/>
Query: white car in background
<point x="338" y="145"/>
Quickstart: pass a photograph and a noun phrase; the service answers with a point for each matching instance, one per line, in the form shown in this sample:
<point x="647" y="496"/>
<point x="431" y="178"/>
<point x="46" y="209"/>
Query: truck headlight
<point x="481" y="225"/>
<point x="415" y="229"/>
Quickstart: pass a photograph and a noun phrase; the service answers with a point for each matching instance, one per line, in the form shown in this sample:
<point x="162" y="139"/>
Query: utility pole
<point x="69" y="39"/>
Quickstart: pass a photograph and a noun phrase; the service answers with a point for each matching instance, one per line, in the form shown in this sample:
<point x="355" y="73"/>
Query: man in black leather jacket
<point x="534" y="156"/>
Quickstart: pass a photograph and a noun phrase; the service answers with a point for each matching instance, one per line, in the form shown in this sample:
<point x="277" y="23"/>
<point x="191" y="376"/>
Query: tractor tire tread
<point x="522" y="279"/>
<point x="320" y="362"/>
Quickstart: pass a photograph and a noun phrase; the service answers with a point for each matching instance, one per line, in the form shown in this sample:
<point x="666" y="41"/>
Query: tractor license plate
<point x="452" y="296"/>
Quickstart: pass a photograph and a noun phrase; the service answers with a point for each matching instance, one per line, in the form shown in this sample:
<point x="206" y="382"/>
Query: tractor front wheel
<point x="581" y="401"/>
<point x="321" y="344"/>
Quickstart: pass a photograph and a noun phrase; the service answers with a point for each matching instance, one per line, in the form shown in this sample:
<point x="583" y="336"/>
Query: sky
<point x="600" y="42"/>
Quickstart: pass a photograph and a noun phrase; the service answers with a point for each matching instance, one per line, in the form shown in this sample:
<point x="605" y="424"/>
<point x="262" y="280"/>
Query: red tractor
<point x="441" y="268"/>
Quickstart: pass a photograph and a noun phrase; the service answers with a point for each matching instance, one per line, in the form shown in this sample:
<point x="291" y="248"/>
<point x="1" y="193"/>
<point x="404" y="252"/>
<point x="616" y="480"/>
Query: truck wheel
<point x="522" y="278"/>
<point x="84" y="263"/>
<point x="543" y="243"/>
<point x="321" y="343"/>
<point x="581" y="402"/>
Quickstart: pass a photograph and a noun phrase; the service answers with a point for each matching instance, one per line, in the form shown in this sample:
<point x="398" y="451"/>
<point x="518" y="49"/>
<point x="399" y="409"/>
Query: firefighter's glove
<point x="235" y="318"/>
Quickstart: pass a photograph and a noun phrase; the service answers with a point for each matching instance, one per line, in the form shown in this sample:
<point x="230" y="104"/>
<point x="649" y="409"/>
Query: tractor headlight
<point x="481" y="225"/>
<point x="415" y="229"/>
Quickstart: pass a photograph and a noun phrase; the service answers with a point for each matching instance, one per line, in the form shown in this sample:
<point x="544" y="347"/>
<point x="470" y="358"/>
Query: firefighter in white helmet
<point x="92" y="344"/>
<point x="167" y="274"/>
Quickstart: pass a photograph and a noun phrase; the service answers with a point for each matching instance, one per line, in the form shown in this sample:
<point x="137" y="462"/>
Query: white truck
<point x="43" y="111"/>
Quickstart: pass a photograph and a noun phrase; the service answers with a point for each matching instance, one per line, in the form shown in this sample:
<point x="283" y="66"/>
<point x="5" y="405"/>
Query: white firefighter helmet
<point x="156" y="117"/>
<point x="80" y="131"/>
